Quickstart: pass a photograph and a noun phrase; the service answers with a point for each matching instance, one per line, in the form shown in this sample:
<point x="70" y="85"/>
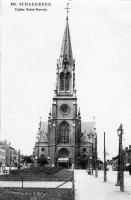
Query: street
<point x="92" y="188"/>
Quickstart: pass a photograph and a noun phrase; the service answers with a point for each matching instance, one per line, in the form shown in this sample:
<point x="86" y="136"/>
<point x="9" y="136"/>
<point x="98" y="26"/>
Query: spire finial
<point x="67" y="9"/>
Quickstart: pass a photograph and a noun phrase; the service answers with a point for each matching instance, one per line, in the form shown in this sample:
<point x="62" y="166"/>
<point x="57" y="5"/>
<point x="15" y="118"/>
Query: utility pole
<point x="105" y="175"/>
<point x="121" y="160"/>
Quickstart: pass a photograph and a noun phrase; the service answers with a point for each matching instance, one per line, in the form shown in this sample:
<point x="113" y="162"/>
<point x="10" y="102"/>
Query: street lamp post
<point x="105" y="174"/>
<point x="120" y="175"/>
<point x="91" y="136"/>
<point x="118" y="170"/>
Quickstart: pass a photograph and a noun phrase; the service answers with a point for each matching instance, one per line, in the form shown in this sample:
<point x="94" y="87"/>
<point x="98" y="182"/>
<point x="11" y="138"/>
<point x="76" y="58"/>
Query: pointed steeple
<point x="66" y="56"/>
<point x="65" y="72"/>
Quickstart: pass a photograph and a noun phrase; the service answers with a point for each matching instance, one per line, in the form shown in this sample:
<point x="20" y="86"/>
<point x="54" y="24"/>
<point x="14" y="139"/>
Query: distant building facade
<point x="126" y="159"/>
<point x="41" y="145"/>
<point x="66" y="140"/>
<point x="2" y="157"/>
<point x="11" y="155"/>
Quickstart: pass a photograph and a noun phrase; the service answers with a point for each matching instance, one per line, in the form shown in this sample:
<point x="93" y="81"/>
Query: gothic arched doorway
<point x="63" y="158"/>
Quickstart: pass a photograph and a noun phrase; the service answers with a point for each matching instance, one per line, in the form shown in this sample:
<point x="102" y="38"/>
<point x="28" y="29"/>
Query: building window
<point x="67" y="81"/>
<point x="63" y="133"/>
<point x="62" y="81"/>
<point x="42" y="149"/>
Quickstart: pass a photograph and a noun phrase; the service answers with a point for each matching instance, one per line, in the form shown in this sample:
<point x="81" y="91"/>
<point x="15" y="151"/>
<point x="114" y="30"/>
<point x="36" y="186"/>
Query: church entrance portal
<point x="63" y="158"/>
<point x="83" y="161"/>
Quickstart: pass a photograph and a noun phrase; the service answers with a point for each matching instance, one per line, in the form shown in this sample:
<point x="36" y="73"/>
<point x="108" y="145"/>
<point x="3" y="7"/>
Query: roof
<point x="87" y="127"/>
<point x="43" y="131"/>
<point x="66" y="49"/>
<point x="43" y="125"/>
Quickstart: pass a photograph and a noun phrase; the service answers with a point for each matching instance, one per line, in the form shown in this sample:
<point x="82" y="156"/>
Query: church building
<point x="64" y="140"/>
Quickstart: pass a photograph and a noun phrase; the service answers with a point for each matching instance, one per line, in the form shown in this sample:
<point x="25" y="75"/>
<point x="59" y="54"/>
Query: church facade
<point x="65" y="140"/>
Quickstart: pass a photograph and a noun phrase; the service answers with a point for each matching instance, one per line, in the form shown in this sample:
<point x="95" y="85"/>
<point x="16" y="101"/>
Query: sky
<point x="101" y="41"/>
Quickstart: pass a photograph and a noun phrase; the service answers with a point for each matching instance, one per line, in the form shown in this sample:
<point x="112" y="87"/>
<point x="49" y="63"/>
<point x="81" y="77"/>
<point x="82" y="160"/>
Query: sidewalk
<point x="87" y="187"/>
<point x="35" y="184"/>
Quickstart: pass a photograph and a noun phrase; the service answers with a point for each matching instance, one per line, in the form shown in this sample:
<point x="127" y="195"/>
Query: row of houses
<point x="126" y="159"/>
<point x="8" y="155"/>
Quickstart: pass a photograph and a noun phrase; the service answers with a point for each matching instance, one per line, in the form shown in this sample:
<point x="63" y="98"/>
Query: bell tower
<point x="65" y="72"/>
<point x="64" y="118"/>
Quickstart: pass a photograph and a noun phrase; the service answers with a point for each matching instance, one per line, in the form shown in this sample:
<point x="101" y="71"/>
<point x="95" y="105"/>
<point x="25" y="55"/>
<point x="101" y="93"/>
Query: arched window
<point x="42" y="149"/>
<point x="63" y="133"/>
<point x="67" y="81"/>
<point x="62" y="81"/>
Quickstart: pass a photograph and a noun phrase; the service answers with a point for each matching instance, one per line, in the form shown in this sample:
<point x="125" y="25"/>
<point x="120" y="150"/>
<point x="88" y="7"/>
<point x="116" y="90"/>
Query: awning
<point x="63" y="160"/>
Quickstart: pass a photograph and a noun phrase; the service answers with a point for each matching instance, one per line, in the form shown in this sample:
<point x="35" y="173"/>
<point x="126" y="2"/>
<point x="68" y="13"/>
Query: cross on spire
<point x="67" y="9"/>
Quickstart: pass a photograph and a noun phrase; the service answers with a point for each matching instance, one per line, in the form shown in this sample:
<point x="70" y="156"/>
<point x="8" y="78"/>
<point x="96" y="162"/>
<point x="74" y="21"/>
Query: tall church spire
<point x="65" y="73"/>
<point x="66" y="56"/>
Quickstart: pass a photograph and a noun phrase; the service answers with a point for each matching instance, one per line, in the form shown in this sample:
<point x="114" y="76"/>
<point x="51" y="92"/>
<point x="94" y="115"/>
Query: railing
<point x="47" y="171"/>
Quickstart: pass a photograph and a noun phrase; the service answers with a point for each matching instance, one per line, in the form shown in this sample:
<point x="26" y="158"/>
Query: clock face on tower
<point x="64" y="108"/>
